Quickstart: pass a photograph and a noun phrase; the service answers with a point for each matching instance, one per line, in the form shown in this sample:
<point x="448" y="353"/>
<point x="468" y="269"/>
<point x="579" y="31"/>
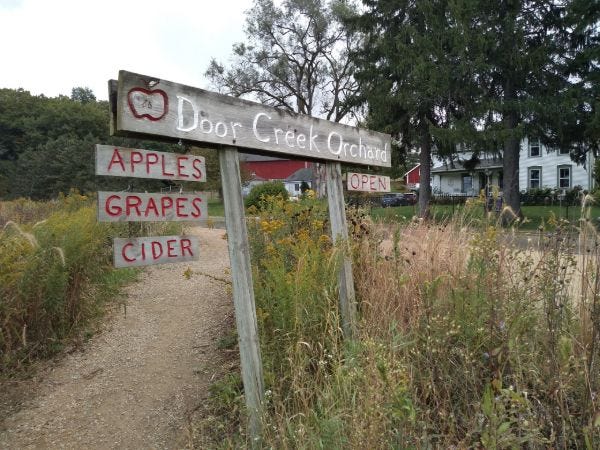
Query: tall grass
<point x="55" y="274"/>
<point x="465" y="340"/>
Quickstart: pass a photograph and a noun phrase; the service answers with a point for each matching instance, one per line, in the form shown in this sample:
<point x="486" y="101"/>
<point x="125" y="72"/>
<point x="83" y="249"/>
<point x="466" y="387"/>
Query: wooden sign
<point x="367" y="182"/>
<point x="146" y="251"/>
<point x="138" y="163"/>
<point x="150" y="106"/>
<point x="138" y="207"/>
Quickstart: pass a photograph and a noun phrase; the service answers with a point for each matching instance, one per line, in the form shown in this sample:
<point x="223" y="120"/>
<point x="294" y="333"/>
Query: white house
<point x="538" y="168"/>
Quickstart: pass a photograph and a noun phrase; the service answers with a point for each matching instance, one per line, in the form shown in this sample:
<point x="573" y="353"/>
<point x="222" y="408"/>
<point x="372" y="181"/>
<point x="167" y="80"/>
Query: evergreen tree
<point x="578" y="122"/>
<point x="417" y="83"/>
<point x="517" y="50"/>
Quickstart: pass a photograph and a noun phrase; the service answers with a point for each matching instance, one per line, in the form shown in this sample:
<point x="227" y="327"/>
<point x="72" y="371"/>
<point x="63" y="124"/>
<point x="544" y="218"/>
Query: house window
<point x="535" y="177"/>
<point x="534" y="148"/>
<point x="467" y="184"/>
<point x="564" y="177"/>
<point x="297" y="187"/>
<point x="563" y="151"/>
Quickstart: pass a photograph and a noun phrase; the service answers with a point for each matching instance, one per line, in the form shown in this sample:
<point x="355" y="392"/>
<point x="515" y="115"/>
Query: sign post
<point x="339" y="231"/>
<point x="147" y="106"/>
<point x="243" y="290"/>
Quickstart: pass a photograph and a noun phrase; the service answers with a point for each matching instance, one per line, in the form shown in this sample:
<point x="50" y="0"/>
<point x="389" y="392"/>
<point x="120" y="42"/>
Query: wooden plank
<point x="365" y="182"/>
<point x="339" y="232"/>
<point x="138" y="163"/>
<point x="155" y="107"/>
<point x="144" y="207"/>
<point x="243" y="291"/>
<point x="112" y="105"/>
<point x="146" y="251"/>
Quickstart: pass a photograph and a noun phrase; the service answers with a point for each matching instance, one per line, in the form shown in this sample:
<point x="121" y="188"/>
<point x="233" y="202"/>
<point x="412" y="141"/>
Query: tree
<point x="296" y="57"/>
<point x="517" y="47"/>
<point x="47" y="146"/>
<point x="578" y="124"/>
<point x="415" y="79"/>
<point x="82" y="95"/>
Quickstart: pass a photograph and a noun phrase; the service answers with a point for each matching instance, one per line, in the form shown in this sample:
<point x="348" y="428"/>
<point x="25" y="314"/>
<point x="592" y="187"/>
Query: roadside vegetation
<point x="464" y="341"/>
<point x="56" y="275"/>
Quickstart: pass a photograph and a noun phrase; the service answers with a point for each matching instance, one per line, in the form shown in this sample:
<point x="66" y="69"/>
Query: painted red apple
<point x="151" y="104"/>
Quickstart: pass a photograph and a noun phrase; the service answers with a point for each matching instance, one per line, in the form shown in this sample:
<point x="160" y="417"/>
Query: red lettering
<point x="180" y="205"/>
<point x="197" y="166"/>
<point x="151" y="206"/>
<point x="181" y="167"/>
<point x="171" y="248"/>
<point x="197" y="212"/>
<point x="157" y="250"/>
<point x="354" y="181"/>
<point x="136" y="158"/>
<point x="116" y="159"/>
<point x="186" y="244"/>
<point x="382" y="184"/>
<point x="113" y="210"/>
<point x="364" y="180"/>
<point x="166" y="203"/>
<point x="164" y="168"/>
<point x="151" y="159"/>
<point x="143" y="252"/>
<point x="125" y="255"/>
<point x="132" y="202"/>
<point x="372" y="183"/>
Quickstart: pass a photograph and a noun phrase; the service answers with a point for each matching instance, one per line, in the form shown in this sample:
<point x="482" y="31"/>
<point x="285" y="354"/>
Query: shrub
<point x="261" y="193"/>
<point x="55" y="275"/>
<point x="464" y="341"/>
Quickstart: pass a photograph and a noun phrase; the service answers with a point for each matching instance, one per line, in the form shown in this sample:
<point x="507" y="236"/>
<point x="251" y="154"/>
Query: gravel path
<point x="135" y="385"/>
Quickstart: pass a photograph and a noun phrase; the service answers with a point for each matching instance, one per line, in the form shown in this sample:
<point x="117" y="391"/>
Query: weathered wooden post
<point x="339" y="232"/>
<point x="243" y="292"/>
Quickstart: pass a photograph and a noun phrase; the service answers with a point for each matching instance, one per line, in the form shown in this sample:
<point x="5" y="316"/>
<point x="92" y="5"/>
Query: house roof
<point x="253" y="158"/>
<point x="412" y="170"/>
<point x="273" y="169"/>
<point x="304" y="174"/>
<point x="459" y="166"/>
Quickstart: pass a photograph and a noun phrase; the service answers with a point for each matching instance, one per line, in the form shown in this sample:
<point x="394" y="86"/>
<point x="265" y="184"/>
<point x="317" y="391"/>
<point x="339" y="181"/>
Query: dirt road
<point x="134" y="385"/>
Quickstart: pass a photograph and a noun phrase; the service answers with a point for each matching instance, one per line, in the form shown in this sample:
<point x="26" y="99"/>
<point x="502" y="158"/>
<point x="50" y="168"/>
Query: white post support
<point x="339" y="231"/>
<point x="243" y="291"/>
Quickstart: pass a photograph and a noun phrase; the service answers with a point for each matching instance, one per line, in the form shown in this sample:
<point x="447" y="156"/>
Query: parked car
<point x="396" y="199"/>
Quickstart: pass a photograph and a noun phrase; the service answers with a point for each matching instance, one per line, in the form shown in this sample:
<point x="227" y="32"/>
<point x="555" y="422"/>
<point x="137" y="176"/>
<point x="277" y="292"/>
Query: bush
<point x="260" y="194"/>
<point x="464" y="341"/>
<point x="55" y="274"/>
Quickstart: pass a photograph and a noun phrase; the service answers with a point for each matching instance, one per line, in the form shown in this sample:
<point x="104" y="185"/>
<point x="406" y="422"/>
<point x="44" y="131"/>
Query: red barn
<point x="412" y="178"/>
<point x="266" y="168"/>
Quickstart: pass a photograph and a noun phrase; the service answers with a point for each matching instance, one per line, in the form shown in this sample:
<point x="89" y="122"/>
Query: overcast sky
<point x="50" y="46"/>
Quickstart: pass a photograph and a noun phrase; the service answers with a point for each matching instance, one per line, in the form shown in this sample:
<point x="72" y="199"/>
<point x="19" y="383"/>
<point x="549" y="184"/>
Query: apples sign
<point x="151" y="104"/>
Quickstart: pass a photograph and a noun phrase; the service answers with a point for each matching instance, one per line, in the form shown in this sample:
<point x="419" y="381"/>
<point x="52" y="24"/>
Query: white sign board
<point x="132" y="162"/>
<point x="367" y="183"/>
<point x="151" y="106"/>
<point x="146" y="251"/>
<point x="138" y="207"/>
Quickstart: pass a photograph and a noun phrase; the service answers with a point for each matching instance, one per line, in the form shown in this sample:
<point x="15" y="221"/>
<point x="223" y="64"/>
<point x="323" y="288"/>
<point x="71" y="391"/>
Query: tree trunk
<point x="425" y="176"/>
<point x="511" y="161"/>
<point x="320" y="180"/>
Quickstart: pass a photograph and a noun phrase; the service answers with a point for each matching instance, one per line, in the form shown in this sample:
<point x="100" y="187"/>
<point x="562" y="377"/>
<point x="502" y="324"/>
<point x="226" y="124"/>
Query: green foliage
<point x="261" y="194"/>
<point x="47" y="145"/>
<point x="55" y="275"/>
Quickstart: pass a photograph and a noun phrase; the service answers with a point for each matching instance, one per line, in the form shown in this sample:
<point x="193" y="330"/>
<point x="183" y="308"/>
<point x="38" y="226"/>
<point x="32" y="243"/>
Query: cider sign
<point x="145" y="251"/>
